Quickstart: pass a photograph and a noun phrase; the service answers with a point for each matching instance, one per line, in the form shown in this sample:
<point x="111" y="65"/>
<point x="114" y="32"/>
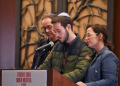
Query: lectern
<point x="46" y="77"/>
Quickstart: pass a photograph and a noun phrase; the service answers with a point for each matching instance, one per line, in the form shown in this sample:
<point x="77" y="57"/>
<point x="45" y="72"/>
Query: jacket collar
<point x="77" y="39"/>
<point x="103" y="49"/>
<point x="73" y="43"/>
<point x="96" y="56"/>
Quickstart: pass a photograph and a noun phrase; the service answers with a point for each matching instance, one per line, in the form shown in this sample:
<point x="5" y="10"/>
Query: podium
<point x="46" y="77"/>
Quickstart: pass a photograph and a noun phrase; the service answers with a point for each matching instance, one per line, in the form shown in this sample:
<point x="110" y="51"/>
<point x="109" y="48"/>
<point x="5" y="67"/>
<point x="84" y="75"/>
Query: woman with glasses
<point x="103" y="70"/>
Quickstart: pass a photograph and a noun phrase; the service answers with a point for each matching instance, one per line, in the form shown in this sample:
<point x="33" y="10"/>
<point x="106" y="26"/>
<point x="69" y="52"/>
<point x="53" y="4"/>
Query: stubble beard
<point x="66" y="37"/>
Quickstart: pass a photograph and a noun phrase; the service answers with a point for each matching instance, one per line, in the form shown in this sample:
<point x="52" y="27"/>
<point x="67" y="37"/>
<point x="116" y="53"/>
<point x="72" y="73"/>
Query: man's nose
<point x="46" y="30"/>
<point x="86" y="38"/>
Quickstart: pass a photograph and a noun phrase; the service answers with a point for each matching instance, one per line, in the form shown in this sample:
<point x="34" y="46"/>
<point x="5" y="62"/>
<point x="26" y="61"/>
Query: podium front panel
<point x="24" y="77"/>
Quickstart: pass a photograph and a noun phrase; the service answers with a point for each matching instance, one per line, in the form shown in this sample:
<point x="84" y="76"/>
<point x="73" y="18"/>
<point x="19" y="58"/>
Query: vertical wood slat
<point x="117" y="32"/>
<point x="61" y="6"/>
<point x="110" y="21"/>
<point x="17" y="34"/>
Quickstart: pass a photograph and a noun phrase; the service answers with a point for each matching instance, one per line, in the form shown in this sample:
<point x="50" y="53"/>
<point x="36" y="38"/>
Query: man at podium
<point x="70" y="56"/>
<point x="47" y="28"/>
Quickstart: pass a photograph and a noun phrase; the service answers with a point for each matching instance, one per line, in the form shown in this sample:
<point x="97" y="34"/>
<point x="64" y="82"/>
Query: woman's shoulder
<point x="107" y="54"/>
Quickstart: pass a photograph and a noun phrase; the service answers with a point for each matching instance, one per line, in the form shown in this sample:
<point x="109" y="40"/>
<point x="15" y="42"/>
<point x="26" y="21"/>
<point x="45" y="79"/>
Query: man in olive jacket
<point x="70" y="56"/>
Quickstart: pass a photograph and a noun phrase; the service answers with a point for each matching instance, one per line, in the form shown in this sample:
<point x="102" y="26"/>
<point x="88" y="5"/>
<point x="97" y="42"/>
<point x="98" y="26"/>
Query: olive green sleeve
<point x="47" y="63"/>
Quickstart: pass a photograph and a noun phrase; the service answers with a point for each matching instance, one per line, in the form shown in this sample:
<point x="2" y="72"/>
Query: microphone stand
<point x="38" y="58"/>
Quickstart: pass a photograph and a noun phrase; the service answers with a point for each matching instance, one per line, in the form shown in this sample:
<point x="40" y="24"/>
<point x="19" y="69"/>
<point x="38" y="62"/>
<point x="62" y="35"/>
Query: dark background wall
<point x="9" y="33"/>
<point x="117" y="31"/>
<point x="10" y="36"/>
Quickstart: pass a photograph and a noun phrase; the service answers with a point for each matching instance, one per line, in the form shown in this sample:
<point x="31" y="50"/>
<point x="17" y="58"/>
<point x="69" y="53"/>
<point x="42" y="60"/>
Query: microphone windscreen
<point x="51" y="43"/>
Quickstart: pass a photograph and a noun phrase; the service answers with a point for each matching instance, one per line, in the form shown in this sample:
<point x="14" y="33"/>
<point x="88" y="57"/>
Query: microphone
<point x="46" y="45"/>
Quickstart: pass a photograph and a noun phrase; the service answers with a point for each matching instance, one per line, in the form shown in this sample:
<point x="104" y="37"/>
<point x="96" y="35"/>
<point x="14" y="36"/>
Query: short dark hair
<point x="63" y="20"/>
<point x="51" y="15"/>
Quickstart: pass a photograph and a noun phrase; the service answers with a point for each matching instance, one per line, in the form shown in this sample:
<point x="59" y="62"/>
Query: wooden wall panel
<point x="117" y="31"/>
<point x="8" y="33"/>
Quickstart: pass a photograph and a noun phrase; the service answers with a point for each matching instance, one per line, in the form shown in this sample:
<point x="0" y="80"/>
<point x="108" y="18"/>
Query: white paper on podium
<point x="24" y="77"/>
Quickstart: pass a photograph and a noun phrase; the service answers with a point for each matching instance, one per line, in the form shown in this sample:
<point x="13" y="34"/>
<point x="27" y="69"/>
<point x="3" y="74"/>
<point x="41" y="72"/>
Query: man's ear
<point x="68" y="27"/>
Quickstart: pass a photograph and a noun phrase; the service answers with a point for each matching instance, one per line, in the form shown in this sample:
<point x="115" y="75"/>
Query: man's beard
<point x="67" y="36"/>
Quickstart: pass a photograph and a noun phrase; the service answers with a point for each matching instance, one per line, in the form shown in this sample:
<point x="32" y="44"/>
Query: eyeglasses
<point x="89" y="34"/>
<point x="49" y="27"/>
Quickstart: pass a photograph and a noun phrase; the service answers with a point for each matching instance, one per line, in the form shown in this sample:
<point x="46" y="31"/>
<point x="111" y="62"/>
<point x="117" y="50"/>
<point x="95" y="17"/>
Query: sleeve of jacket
<point x="109" y="65"/>
<point x="48" y="61"/>
<point x="82" y="64"/>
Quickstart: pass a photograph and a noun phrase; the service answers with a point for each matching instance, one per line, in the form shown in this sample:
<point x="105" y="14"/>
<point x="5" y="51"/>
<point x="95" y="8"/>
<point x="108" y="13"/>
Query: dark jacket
<point x="41" y="55"/>
<point x="77" y="59"/>
<point x="103" y="70"/>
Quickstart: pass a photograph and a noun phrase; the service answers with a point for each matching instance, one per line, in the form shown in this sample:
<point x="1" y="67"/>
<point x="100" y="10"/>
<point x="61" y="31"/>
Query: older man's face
<point x="47" y="27"/>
